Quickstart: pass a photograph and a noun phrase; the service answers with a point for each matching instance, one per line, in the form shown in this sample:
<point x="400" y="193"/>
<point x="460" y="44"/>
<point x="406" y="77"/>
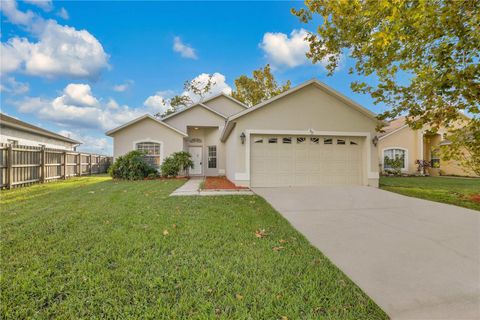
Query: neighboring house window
<point x="152" y="152"/>
<point x="395" y="154"/>
<point x="212" y="157"/>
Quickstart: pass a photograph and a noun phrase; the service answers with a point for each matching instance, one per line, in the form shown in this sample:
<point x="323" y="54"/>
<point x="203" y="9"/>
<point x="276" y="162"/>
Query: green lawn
<point x="93" y="248"/>
<point x="457" y="191"/>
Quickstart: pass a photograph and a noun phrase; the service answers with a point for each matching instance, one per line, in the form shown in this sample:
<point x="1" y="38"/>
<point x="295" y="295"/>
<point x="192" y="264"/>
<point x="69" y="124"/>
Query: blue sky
<point x="81" y="68"/>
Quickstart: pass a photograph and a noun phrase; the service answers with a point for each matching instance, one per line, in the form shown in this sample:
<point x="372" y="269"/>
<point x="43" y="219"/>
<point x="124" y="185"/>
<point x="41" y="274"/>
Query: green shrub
<point x="175" y="163"/>
<point x="131" y="166"/>
<point x="169" y="167"/>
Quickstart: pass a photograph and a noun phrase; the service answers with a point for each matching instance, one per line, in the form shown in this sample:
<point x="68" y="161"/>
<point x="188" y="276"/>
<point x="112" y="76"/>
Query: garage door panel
<point x="306" y="161"/>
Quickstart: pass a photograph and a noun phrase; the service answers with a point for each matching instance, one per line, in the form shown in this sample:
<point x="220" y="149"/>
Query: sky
<point x="80" y="68"/>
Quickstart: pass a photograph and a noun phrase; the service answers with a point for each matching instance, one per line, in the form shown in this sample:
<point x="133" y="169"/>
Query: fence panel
<point x="23" y="165"/>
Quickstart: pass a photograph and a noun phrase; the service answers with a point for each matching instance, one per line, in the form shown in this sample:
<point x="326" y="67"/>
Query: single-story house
<point x="16" y="132"/>
<point x="308" y="135"/>
<point x="398" y="140"/>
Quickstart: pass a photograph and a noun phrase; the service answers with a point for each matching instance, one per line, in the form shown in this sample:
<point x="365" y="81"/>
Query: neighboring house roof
<point x="112" y="131"/>
<point x="226" y="96"/>
<point x="392" y="127"/>
<point x="191" y="107"/>
<point x="8" y="121"/>
<point x="230" y="124"/>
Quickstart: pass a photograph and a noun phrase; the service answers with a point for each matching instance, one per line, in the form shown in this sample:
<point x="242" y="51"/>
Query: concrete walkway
<point x="192" y="188"/>
<point x="416" y="259"/>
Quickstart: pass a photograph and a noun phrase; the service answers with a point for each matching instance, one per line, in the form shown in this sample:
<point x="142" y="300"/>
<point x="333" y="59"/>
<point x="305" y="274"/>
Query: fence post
<point x="90" y="162"/>
<point x="10" y="166"/>
<point x="79" y="164"/>
<point x="64" y="165"/>
<point x="43" y="159"/>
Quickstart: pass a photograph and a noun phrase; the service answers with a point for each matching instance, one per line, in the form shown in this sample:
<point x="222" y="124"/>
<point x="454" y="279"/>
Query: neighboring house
<point x="17" y="132"/>
<point x="400" y="141"/>
<point x="308" y="135"/>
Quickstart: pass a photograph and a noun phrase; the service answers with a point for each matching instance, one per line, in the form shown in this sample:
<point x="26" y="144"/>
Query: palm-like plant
<point x="184" y="161"/>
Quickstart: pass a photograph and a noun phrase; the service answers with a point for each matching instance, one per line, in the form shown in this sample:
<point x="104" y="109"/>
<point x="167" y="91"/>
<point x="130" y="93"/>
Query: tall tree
<point x="421" y="55"/>
<point x="194" y="87"/>
<point x="260" y="87"/>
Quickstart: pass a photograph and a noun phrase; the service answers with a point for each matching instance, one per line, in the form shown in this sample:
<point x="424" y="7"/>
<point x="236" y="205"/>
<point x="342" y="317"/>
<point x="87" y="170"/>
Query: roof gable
<point x="191" y="107"/>
<point x="146" y="116"/>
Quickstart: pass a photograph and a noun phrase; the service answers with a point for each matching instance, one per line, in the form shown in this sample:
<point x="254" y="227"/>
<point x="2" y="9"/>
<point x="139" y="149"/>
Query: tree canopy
<point x="260" y="87"/>
<point x="422" y="57"/>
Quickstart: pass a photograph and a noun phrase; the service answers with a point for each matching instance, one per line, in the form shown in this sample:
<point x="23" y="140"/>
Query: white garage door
<point x="281" y="161"/>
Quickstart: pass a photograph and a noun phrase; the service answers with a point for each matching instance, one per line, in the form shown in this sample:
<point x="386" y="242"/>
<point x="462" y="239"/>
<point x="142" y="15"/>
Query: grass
<point x="94" y="248"/>
<point x="456" y="191"/>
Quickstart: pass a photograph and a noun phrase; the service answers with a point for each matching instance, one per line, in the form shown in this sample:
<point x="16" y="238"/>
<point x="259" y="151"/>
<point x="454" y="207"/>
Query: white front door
<point x="196" y="153"/>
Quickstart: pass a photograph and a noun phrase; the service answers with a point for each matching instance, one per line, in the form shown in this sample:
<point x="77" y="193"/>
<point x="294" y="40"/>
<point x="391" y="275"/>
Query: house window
<point x="212" y="157"/>
<point x="315" y="140"/>
<point x="353" y="143"/>
<point x="272" y="140"/>
<point x="151" y="152"/>
<point x="258" y="140"/>
<point x="301" y="140"/>
<point x="395" y="154"/>
<point x="435" y="158"/>
<point x="340" y="141"/>
<point x="287" y="140"/>
<point x="327" y="141"/>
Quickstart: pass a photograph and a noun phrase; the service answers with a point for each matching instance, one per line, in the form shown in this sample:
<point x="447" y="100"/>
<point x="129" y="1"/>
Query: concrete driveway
<point x="416" y="259"/>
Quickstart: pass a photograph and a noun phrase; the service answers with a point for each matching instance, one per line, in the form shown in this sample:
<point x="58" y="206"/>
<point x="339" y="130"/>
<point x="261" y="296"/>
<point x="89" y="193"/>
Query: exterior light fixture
<point x="242" y="137"/>
<point x="375" y="141"/>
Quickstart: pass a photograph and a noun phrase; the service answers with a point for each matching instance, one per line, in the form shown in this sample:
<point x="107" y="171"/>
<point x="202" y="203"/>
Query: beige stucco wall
<point x="195" y="117"/>
<point x="224" y="106"/>
<point x="308" y="108"/>
<point x="30" y="139"/>
<point x="404" y="139"/>
<point x="147" y="130"/>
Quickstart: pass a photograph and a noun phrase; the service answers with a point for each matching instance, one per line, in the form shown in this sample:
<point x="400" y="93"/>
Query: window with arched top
<point x="151" y="151"/>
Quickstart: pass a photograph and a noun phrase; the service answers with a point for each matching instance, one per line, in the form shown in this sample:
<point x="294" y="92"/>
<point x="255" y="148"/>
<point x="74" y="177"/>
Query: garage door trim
<point x="309" y="132"/>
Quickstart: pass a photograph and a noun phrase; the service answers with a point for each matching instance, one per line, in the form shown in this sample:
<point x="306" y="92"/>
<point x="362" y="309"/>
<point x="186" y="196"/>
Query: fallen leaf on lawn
<point x="124" y="190"/>
<point x="91" y="191"/>
<point x="165" y="232"/>
<point x="284" y="318"/>
<point x="209" y="290"/>
<point x="260" y="233"/>
<point x="282" y="241"/>
<point x="218" y="311"/>
<point x="277" y="248"/>
<point x="239" y="296"/>
<point x="174" y="226"/>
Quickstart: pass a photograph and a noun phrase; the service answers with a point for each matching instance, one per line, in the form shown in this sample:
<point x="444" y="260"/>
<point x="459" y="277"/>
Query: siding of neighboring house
<point x="31" y="139"/>
<point x="308" y="108"/>
<point x="146" y="130"/>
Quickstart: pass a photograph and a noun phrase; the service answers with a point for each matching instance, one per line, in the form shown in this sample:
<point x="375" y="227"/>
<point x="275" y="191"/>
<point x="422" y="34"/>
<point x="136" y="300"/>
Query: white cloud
<point x="157" y="103"/>
<point x="219" y="86"/>
<point x="78" y="108"/>
<point x="59" y="51"/>
<point x="282" y="50"/>
<point x="9" y="84"/>
<point x="93" y="144"/>
<point x="10" y="10"/>
<point x="185" y="50"/>
<point x="63" y="13"/>
<point x="45" y="5"/>
<point x="123" y="87"/>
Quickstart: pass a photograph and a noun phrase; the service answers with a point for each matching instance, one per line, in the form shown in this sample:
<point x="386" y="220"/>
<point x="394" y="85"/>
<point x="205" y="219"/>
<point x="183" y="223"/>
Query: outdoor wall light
<point x="242" y="137"/>
<point x="375" y="141"/>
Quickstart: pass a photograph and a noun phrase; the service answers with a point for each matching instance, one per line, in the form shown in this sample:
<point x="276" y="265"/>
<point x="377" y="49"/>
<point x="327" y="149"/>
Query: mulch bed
<point x="475" y="197"/>
<point x="220" y="183"/>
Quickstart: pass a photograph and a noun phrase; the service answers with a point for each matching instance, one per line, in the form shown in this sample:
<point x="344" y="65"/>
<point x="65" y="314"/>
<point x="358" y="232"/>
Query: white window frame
<point x="405" y="162"/>
<point x="154" y="141"/>
<point x="212" y="157"/>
